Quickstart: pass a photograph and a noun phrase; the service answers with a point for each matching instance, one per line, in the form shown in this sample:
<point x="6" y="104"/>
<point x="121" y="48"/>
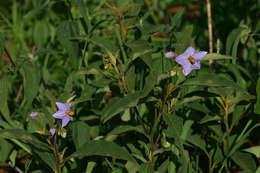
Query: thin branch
<point x="17" y="169"/>
<point x="19" y="93"/>
<point x="141" y="122"/>
<point x="8" y="55"/>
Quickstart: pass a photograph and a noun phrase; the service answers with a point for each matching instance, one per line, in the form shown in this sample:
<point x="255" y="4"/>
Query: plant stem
<point x="226" y="102"/>
<point x="56" y="153"/>
<point x="141" y="122"/>
<point x="119" y="39"/>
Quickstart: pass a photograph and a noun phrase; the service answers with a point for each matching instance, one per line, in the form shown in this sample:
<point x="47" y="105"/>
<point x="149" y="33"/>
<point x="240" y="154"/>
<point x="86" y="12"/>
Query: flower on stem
<point x="169" y="55"/>
<point x="52" y="130"/>
<point x="190" y="60"/>
<point x="34" y="114"/>
<point x="64" y="113"/>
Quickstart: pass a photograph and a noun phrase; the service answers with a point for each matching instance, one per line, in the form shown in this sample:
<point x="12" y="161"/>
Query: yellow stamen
<point x="192" y="60"/>
<point x="70" y="113"/>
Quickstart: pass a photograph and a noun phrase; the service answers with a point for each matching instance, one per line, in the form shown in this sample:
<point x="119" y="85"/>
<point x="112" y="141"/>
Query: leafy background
<point x="134" y="109"/>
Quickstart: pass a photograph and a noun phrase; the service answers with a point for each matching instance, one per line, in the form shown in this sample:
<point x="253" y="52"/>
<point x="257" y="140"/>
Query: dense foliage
<point x="116" y="86"/>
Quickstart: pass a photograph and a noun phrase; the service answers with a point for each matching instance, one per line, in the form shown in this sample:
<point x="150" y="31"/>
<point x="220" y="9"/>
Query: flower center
<point x="70" y="113"/>
<point x="192" y="60"/>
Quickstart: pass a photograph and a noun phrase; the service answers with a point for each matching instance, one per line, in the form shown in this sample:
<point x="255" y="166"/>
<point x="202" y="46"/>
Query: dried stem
<point x="218" y="45"/>
<point x="210" y="31"/>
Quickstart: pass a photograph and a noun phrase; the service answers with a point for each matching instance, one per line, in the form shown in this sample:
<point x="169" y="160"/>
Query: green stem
<point x="227" y="125"/>
<point x="155" y="125"/>
<point x="56" y="152"/>
<point x="118" y="35"/>
<point x="210" y="165"/>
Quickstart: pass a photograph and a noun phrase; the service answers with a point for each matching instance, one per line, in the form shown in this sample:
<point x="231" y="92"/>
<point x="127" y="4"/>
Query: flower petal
<point x="52" y="130"/>
<point x="199" y="55"/>
<point x="189" y="51"/>
<point x="62" y="106"/>
<point x="34" y="114"/>
<point x="187" y="69"/>
<point x="59" y="114"/>
<point x="169" y="55"/>
<point x="181" y="59"/>
<point x="66" y="120"/>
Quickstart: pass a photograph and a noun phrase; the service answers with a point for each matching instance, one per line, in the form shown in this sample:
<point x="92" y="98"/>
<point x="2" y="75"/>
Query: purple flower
<point x="34" y="114"/>
<point x="64" y="113"/>
<point x="169" y="55"/>
<point x="52" y="130"/>
<point x="190" y="60"/>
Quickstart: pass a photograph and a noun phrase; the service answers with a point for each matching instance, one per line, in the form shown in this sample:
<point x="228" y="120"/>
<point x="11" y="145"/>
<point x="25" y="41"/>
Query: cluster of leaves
<point x="134" y="109"/>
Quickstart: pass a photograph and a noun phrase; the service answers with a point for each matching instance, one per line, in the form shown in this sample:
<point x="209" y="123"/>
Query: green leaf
<point x="83" y="10"/>
<point x="216" y="56"/>
<point x="108" y="45"/>
<point x="5" y="149"/>
<point x="212" y="80"/>
<point x="90" y="167"/>
<point x="38" y="125"/>
<point x="65" y="31"/>
<point x="186" y="128"/>
<point x="48" y="157"/>
<point x="2" y="45"/>
<point x="31" y="74"/>
<point x="164" y="166"/>
<point x="117" y="105"/>
<point x="38" y="147"/>
<point x="131" y="167"/>
<point x="176" y="19"/>
<point x="80" y="134"/>
<point x="4" y="84"/>
<point x="231" y="39"/>
<point x="24" y="137"/>
<point x="197" y="141"/>
<point x="139" y="48"/>
<point x="123" y="129"/>
<point x="175" y="126"/>
<point x="102" y="148"/>
<point x="245" y="161"/>
<point x="172" y="168"/>
<point x="254" y="150"/>
<point x="257" y="105"/>
<point x="130" y="78"/>
<point x="94" y="71"/>
<point x="258" y="169"/>
<point x="146" y="168"/>
<point x="183" y="40"/>
<point x="40" y="33"/>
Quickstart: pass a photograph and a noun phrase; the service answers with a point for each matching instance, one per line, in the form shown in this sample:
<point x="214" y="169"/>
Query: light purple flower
<point x="52" y="130"/>
<point x="64" y="113"/>
<point x="34" y="114"/>
<point x="169" y="55"/>
<point x="190" y="60"/>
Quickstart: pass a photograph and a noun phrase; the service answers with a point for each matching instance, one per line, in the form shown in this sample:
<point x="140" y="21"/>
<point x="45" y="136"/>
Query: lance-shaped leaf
<point x="117" y="105"/>
<point x="23" y="136"/>
<point x="102" y="148"/>
<point x="37" y="146"/>
<point x="212" y="80"/>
